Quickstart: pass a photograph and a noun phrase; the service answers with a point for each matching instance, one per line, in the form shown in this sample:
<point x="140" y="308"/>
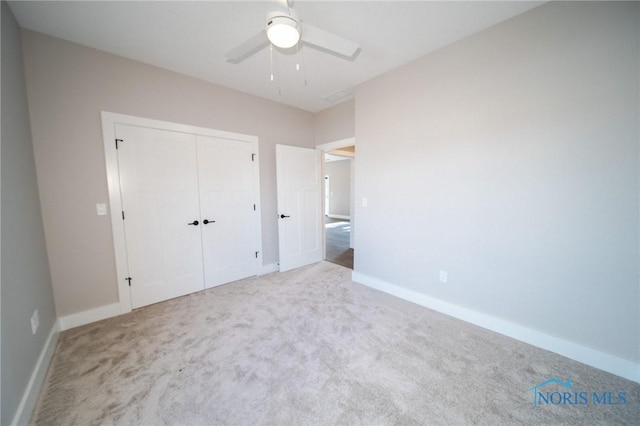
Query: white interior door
<point x="228" y="209"/>
<point x="159" y="187"/>
<point x="300" y="224"/>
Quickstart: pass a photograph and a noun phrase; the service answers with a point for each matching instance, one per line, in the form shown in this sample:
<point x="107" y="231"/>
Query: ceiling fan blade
<point x="329" y="42"/>
<point x="286" y="3"/>
<point x="247" y="48"/>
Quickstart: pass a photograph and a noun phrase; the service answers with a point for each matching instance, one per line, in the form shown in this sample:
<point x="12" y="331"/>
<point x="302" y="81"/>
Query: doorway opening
<point x="337" y="232"/>
<point x="338" y="171"/>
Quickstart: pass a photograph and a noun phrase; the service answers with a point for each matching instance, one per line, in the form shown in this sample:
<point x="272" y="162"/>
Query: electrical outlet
<point x="444" y="276"/>
<point x="35" y="322"/>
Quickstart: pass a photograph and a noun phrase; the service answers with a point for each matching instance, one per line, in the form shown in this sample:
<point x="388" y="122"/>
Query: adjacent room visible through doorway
<point x="337" y="232"/>
<point x="339" y="205"/>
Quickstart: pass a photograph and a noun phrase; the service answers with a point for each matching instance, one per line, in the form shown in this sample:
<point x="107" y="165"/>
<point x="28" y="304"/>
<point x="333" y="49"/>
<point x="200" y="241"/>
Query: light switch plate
<point x="101" y="208"/>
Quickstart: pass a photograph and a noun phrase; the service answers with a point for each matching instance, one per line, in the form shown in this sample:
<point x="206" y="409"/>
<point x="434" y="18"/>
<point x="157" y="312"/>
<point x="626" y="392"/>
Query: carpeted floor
<point x="310" y="347"/>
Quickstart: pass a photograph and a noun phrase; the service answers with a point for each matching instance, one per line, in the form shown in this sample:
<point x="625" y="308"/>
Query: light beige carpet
<point x="309" y="347"/>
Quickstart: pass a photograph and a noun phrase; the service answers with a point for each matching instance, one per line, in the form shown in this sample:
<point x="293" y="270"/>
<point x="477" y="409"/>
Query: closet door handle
<point x="208" y="221"/>
<point x="194" y="223"/>
<point x="282" y="216"/>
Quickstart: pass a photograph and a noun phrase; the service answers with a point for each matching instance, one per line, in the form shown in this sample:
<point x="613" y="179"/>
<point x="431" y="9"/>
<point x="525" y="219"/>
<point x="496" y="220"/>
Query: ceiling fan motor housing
<point x="283" y="29"/>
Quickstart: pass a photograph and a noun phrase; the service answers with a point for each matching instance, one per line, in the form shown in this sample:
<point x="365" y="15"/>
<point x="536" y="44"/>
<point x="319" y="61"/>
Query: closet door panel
<point x="227" y="198"/>
<point x="159" y="187"/>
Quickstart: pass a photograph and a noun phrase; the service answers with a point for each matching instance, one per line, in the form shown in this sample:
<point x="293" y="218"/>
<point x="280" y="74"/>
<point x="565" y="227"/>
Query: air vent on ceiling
<point x="337" y="96"/>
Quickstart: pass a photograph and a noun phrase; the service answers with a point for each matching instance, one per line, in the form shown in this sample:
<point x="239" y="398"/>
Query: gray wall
<point x="339" y="173"/>
<point x="335" y="123"/>
<point x="26" y="285"/>
<point x="68" y="85"/>
<point x="511" y="160"/>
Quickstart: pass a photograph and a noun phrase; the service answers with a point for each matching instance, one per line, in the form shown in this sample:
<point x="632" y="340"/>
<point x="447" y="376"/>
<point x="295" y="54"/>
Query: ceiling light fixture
<point x="283" y="30"/>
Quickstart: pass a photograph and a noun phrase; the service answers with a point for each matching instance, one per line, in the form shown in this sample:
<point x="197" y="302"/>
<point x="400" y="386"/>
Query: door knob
<point x="208" y="221"/>
<point x="282" y="216"/>
<point x="194" y="223"/>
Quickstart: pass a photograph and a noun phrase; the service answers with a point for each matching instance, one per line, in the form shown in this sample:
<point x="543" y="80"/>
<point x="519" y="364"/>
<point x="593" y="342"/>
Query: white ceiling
<point x="192" y="37"/>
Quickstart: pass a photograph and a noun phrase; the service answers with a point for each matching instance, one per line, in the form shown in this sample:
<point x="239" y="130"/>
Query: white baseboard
<point x="92" y="315"/>
<point x="339" y="216"/>
<point x="31" y="393"/>
<point x="267" y="269"/>
<point x="107" y="311"/>
<point x="594" y="358"/>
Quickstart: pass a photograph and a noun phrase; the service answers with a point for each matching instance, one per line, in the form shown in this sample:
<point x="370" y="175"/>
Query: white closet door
<point x="159" y="187"/>
<point x="227" y="201"/>
<point x="300" y="223"/>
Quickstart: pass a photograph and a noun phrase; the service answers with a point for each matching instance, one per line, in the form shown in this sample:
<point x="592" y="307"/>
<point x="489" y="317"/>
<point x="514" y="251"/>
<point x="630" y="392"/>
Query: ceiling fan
<point x="285" y="29"/>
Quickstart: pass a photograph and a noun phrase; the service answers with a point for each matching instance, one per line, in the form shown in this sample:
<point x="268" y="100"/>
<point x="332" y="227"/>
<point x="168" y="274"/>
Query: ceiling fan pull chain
<point x="271" y="60"/>
<point x="304" y="68"/>
<point x="298" y="56"/>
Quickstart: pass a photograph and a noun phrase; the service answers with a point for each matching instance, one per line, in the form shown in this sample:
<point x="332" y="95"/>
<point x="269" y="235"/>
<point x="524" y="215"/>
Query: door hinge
<point x="123" y="215"/>
<point x="254" y="207"/>
<point x="128" y="279"/>
<point x="253" y="157"/>
<point x="257" y="254"/>
<point x="118" y="140"/>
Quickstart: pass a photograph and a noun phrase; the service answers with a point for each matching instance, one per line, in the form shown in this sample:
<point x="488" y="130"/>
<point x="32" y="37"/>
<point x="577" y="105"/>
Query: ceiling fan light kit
<point x="283" y="30"/>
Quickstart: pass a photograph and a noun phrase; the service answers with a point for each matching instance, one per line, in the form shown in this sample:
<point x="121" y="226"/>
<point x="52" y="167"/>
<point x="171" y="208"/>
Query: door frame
<point x="330" y="146"/>
<point x="109" y="122"/>
<point x="327" y="193"/>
